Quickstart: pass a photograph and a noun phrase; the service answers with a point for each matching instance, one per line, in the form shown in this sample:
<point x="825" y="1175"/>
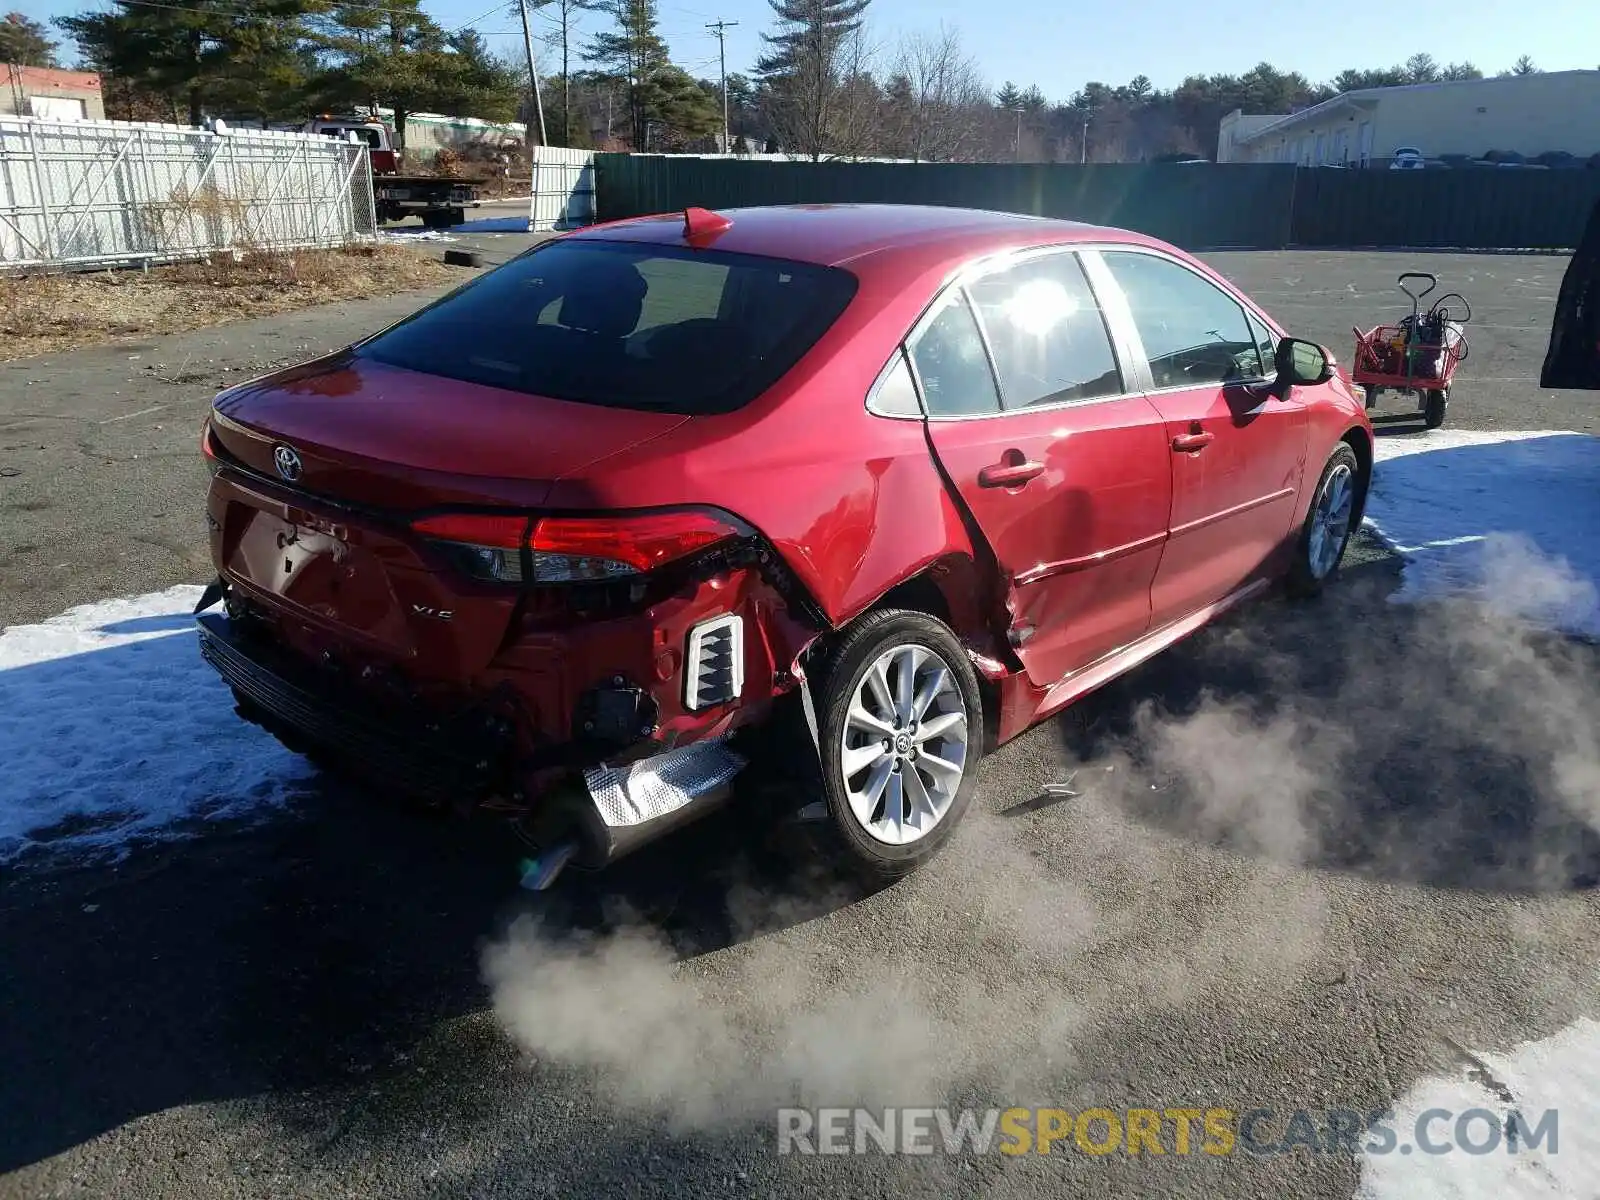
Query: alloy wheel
<point x="1330" y="521"/>
<point x="904" y="745"/>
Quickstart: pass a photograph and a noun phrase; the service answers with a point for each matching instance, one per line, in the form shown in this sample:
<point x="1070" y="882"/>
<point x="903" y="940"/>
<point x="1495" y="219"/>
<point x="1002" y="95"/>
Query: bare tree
<point x="950" y="117"/>
<point x="803" y="69"/>
<point x="855" y="120"/>
<point x="565" y="14"/>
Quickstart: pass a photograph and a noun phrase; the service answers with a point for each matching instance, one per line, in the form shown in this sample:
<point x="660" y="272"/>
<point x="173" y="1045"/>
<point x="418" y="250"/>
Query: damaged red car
<point x="575" y="541"/>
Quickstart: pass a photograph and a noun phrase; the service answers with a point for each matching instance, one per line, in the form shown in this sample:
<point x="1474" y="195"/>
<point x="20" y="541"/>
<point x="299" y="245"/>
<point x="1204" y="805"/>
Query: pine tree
<point x="399" y="58"/>
<point x="634" y="53"/>
<point x="206" y="55"/>
<point x="25" y="42"/>
<point x="803" y="68"/>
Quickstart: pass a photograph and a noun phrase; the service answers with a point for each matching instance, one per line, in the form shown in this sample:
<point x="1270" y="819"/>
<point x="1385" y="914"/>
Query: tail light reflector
<point x="208" y="448"/>
<point x="504" y="546"/>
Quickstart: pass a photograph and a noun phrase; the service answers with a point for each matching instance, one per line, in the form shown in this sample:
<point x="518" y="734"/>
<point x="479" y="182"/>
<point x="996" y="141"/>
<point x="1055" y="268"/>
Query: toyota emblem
<point x="287" y="462"/>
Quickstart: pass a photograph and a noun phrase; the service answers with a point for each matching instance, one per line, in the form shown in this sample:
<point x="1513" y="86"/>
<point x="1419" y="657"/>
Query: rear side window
<point x="951" y="363"/>
<point x="1045" y="330"/>
<point x="1193" y="332"/>
<point x="625" y="325"/>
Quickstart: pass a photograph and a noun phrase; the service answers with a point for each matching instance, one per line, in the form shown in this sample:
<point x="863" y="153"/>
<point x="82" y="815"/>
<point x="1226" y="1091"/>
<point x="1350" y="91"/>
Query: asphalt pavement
<point x="1306" y="858"/>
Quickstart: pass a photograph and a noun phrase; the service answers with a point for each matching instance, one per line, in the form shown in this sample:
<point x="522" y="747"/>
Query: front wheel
<point x="1328" y="524"/>
<point x="900" y="730"/>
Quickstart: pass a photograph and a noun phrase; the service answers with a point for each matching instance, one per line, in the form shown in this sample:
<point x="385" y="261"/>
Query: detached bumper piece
<point x="630" y="806"/>
<point x="415" y="752"/>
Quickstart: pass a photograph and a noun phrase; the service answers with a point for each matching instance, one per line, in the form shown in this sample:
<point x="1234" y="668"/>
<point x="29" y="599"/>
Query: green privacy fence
<point x="1202" y="206"/>
<point x="1243" y="205"/>
<point x="1480" y="208"/>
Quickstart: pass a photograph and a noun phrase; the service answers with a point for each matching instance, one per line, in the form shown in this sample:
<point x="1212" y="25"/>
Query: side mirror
<point x="1301" y="363"/>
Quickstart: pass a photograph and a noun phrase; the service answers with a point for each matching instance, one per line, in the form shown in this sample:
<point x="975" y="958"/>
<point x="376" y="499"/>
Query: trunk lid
<point x="345" y="451"/>
<point x="372" y="434"/>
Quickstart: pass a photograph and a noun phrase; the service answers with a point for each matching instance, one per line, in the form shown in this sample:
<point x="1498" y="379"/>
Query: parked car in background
<point x="594" y="534"/>
<point x="1407" y="158"/>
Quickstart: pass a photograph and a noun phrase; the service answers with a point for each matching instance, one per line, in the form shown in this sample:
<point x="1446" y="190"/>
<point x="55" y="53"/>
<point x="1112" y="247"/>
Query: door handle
<point x="1188" y="443"/>
<point x="1011" y="472"/>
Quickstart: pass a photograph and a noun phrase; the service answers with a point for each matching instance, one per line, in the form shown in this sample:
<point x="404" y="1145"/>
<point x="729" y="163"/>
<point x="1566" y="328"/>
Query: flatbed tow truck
<point x="440" y="202"/>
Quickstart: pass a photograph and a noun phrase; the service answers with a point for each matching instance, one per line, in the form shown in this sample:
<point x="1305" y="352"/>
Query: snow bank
<point x="1509" y="517"/>
<point x="1560" y="1073"/>
<point x="114" y="729"/>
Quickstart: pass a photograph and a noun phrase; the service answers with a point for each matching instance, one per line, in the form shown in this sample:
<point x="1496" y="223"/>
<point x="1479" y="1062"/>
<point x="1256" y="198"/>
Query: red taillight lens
<point x="640" y="543"/>
<point x="502" y="532"/>
<point x="208" y="448"/>
<point x="573" y="549"/>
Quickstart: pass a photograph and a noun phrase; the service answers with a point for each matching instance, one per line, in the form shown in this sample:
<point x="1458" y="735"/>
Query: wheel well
<point x="1361" y="445"/>
<point x="922" y="593"/>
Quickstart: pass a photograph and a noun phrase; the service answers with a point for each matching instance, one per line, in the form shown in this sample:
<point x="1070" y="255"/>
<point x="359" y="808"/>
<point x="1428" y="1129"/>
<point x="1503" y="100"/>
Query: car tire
<point x="1338" y="489"/>
<point x="864" y="790"/>
<point x="1433" y="411"/>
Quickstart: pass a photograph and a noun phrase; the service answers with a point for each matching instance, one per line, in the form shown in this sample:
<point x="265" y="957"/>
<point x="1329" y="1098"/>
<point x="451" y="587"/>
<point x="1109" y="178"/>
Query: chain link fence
<point x="100" y="193"/>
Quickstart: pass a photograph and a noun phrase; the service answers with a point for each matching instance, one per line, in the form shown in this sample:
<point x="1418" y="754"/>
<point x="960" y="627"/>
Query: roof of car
<point x="836" y="234"/>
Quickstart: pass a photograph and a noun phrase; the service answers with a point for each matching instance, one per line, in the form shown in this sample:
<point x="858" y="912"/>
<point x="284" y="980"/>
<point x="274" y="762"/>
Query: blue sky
<point x="1044" y="42"/>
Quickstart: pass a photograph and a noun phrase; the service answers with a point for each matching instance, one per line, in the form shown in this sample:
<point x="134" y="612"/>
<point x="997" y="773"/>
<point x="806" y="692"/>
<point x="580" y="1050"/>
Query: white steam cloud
<point x="1451" y="744"/>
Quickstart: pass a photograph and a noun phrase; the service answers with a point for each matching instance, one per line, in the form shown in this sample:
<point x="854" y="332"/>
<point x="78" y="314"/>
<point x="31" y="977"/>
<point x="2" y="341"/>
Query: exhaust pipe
<point x="619" y="809"/>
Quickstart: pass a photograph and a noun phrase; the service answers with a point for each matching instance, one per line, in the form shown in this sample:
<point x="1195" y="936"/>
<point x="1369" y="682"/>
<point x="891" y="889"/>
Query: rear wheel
<point x="1433" y="410"/>
<point x="900" y="727"/>
<point x="1328" y="524"/>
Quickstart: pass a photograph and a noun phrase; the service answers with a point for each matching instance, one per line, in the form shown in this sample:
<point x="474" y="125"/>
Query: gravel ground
<point x="1331" y="855"/>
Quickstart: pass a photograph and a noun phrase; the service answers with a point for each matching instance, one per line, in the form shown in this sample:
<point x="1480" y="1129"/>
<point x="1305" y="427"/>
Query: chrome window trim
<point x="957" y="288"/>
<point x="900" y="357"/>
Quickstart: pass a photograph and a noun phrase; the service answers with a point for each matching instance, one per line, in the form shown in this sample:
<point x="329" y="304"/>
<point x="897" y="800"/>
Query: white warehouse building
<point x="1551" y="111"/>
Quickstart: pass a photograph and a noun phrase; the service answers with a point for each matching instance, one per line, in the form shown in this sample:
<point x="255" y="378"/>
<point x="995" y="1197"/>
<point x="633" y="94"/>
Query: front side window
<point x="625" y="325"/>
<point x="1046" y="332"/>
<point x="950" y="360"/>
<point x="1193" y="332"/>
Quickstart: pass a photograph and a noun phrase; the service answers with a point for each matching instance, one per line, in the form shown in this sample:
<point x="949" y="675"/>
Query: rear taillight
<point x="208" y="448"/>
<point x="504" y="547"/>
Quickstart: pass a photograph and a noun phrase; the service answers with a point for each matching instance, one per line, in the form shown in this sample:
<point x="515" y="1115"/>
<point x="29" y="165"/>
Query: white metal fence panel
<point x="84" y="193"/>
<point x="563" y="188"/>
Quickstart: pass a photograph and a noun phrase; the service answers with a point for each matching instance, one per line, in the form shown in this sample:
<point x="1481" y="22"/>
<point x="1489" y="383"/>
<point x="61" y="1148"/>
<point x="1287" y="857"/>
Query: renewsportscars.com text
<point x="1180" y="1132"/>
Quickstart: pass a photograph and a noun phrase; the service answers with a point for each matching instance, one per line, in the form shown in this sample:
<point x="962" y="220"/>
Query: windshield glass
<point x="626" y="325"/>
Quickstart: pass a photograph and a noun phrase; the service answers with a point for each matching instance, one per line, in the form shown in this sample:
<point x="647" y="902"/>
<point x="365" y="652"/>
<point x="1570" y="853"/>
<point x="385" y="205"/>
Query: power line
<point x="498" y="8"/>
<point x="720" y="28"/>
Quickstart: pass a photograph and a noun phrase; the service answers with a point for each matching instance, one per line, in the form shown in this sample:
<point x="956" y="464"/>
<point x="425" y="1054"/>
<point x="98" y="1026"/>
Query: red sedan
<point x="896" y="483"/>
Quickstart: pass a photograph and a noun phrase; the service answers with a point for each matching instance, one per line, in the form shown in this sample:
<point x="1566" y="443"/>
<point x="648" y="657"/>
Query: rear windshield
<point x="625" y="324"/>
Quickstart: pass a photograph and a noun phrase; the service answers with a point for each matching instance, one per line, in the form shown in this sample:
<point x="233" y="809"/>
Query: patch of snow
<point x="416" y="235"/>
<point x="493" y="225"/>
<point x="1559" y="1073"/>
<point x="1509" y="517"/>
<point x="115" y="729"/>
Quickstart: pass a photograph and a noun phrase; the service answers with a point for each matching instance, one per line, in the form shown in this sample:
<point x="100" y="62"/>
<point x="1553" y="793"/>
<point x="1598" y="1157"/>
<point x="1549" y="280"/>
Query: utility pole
<point x="719" y="27"/>
<point x="533" y="71"/>
<point x="1017" y="145"/>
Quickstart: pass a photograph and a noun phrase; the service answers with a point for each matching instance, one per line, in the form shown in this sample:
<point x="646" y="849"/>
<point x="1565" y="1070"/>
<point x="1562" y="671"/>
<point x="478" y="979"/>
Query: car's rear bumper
<point x="466" y="758"/>
<point x="419" y="752"/>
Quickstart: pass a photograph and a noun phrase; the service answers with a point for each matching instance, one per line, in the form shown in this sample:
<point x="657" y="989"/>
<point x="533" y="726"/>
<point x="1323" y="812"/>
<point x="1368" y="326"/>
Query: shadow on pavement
<point x="293" y="952"/>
